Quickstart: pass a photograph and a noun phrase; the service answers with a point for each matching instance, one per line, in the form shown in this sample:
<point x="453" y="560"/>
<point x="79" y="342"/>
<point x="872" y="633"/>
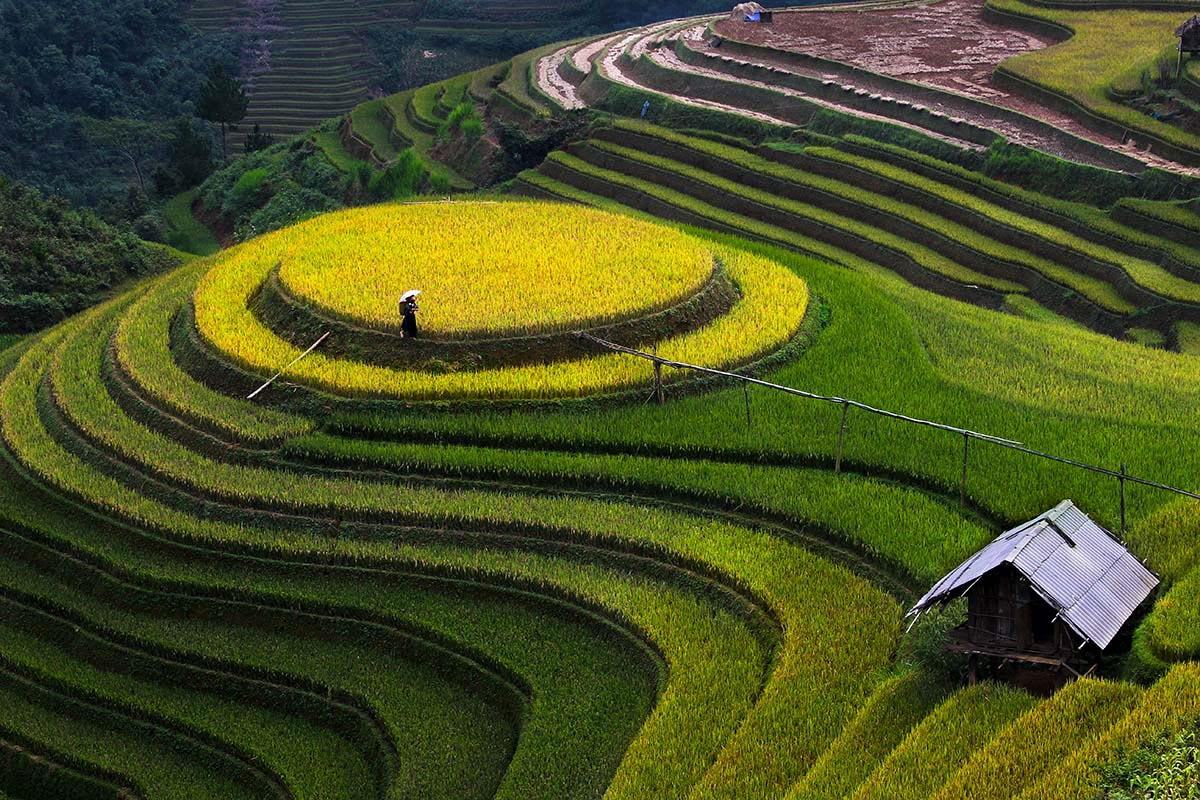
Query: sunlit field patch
<point x="770" y="308"/>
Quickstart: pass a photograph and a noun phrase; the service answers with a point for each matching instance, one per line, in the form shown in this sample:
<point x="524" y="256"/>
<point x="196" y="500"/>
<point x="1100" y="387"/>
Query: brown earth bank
<point x="947" y="45"/>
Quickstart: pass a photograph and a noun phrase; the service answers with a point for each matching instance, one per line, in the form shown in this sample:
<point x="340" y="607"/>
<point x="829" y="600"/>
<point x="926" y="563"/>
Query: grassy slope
<point x="185" y="231"/>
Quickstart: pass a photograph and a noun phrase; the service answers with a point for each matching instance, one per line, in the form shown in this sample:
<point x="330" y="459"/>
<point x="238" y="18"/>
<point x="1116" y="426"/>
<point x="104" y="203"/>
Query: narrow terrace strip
<point x="767" y="715"/>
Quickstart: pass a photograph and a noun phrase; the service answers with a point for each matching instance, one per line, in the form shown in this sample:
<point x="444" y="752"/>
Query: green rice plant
<point x="1146" y="337"/>
<point x="1028" y="202"/>
<point x="712" y="216"/>
<point x="330" y="142"/>
<point x="891" y="711"/>
<point x="936" y="747"/>
<point x="902" y="348"/>
<point x="455" y="740"/>
<point x="1166" y="707"/>
<point x="1179" y="215"/>
<point x="927" y="257"/>
<point x="187" y="233"/>
<point x="423" y="107"/>
<point x="1188" y="334"/>
<point x="1106" y="48"/>
<point x="769" y="568"/>
<point x="899" y="525"/>
<point x="311" y="761"/>
<point x="158" y="768"/>
<point x="1025" y="306"/>
<point x="142" y="347"/>
<point x="1034" y="742"/>
<point x="1145" y="273"/>
<point x="923" y="256"/>
<point x="592" y="688"/>
<point x="367" y="122"/>
<point x="1171" y="631"/>
<point x="8" y="340"/>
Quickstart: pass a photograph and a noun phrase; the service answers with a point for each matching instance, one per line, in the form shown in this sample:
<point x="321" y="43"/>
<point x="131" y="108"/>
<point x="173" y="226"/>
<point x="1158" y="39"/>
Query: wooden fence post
<point x="962" y="484"/>
<point x="837" y="464"/>
<point x="746" y="394"/>
<point x="659" y="397"/>
<point x="1121" y="480"/>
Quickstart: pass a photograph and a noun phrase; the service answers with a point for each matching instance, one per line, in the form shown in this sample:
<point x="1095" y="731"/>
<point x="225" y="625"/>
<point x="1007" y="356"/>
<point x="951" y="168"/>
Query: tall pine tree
<point x="223" y="101"/>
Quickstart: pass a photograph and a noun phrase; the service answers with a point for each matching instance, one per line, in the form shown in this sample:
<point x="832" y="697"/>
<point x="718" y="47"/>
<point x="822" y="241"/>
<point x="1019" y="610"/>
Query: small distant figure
<point x="408" y="314"/>
<point x="645" y="109"/>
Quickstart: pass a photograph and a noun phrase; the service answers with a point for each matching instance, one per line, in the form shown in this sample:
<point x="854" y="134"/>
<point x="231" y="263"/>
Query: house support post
<point x="837" y="463"/>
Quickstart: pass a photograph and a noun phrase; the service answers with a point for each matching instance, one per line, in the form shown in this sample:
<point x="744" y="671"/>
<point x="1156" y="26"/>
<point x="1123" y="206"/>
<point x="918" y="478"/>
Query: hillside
<point x="307" y="60"/>
<point x="56" y="261"/>
<point x="261" y="542"/>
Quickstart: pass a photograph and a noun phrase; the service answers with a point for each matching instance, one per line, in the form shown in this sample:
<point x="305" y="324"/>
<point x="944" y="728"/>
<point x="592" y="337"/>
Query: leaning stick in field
<point x="312" y="347"/>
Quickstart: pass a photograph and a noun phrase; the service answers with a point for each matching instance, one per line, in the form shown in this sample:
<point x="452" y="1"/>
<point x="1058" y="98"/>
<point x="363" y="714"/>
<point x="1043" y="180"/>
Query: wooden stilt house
<point x="1189" y="38"/>
<point x="1051" y="592"/>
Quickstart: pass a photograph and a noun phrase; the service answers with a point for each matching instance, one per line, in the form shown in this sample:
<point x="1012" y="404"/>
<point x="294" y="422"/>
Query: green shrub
<point x="289" y="205"/>
<point x="55" y="260"/>
<point x="1167" y="768"/>
<point x="245" y="192"/>
<point x="464" y="118"/>
<point x="439" y="182"/>
<point x="402" y="179"/>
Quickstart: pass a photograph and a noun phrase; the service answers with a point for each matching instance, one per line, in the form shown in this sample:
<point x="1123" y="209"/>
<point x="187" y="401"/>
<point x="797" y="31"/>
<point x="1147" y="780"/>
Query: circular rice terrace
<point x="506" y="290"/>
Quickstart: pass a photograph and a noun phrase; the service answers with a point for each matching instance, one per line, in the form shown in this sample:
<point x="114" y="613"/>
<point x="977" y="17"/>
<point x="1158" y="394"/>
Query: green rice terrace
<point x="261" y="543"/>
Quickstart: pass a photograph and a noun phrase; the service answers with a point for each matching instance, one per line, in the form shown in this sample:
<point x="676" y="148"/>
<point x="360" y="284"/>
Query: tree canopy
<point x="55" y="260"/>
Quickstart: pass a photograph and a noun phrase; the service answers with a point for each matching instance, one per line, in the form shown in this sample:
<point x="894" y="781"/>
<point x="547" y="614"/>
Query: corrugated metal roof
<point x="1076" y="566"/>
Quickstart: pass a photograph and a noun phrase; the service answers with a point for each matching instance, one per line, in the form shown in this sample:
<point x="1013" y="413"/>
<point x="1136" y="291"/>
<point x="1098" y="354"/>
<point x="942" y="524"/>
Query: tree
<point x="223" y="101"/>
<point x="257" y="140"/>
<point x="132" y="138"/>
<point x="191" y="154"/>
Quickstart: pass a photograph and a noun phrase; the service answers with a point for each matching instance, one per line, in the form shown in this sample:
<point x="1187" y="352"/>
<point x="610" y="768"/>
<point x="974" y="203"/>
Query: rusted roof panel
<point x="1079" y="568"/>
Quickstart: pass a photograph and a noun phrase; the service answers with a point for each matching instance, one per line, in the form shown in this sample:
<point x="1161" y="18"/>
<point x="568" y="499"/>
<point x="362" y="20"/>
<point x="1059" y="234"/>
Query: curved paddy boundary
<point x="48" y="692"/>
<point x="606" y="625"/>
<point x="1154" y="308"/>
<point x="111" y="651"/>
<point x="823" y="542"/>
<point x="31" y="767"/>
<point x="609" y="169"/>
<point x="698" y="577"/>
<point x="299" y="323"/>
<point x="814" y="537"/>
<point x="195" y="356"/>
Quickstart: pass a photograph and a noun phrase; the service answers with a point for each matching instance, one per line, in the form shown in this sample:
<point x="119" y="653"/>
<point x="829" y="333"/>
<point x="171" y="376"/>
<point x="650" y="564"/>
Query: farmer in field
<point x="408" y="313"/>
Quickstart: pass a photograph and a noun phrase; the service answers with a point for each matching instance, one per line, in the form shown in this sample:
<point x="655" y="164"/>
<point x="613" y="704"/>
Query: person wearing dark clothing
<point x="408" y="314"/>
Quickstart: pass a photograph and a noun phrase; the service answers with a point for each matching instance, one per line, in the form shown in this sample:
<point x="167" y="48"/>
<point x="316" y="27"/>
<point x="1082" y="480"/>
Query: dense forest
<point x="56" y="260"/>
<point x="90" y="89"/>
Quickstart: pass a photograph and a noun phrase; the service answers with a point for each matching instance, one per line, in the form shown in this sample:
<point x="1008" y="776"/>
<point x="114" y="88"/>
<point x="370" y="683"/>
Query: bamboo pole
<point x="291" y="364"/>
<point x="837" y="463"/>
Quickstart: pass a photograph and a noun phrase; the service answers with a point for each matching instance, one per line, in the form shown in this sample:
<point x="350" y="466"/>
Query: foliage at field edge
<point x="56" y="260"/>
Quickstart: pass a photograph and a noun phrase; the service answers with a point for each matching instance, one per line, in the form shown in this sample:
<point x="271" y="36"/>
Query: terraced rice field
<point x="308" y="596"/>
<point x="306" y="61"/>
<point x="867" y="206"/>
<point x="482" y="564"/>
<point x="958" y="70"/>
